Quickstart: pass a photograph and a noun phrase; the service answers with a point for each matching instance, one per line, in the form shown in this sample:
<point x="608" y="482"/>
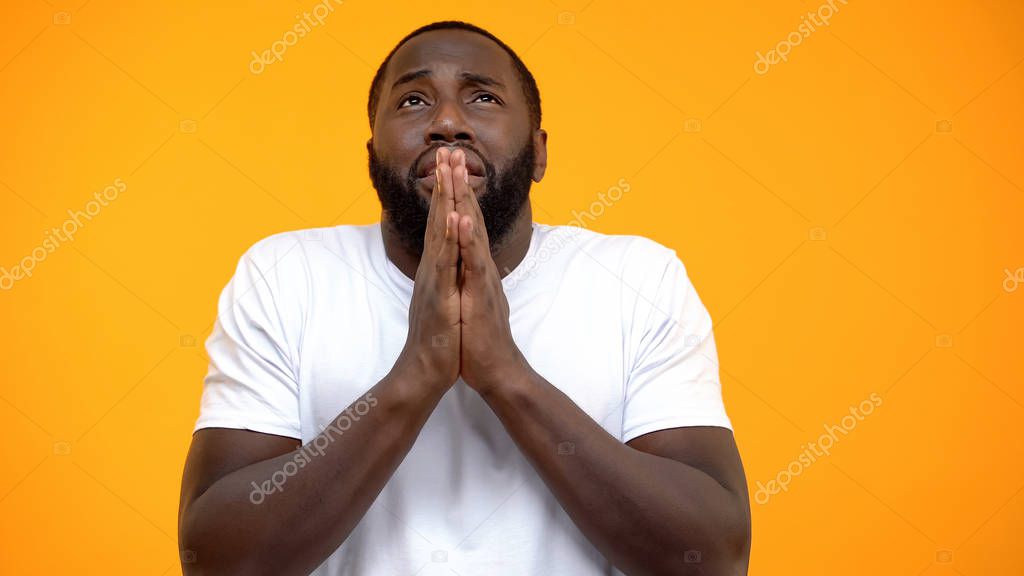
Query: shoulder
<point x="295" y="249"/>
<point x="630" y="256"/>
<point x="286" y="265"/>
<point x="273" y="248"/>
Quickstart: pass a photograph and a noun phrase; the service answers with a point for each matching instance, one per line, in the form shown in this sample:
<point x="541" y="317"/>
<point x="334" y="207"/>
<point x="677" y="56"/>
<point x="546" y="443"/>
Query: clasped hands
<point x="459" y="316"/>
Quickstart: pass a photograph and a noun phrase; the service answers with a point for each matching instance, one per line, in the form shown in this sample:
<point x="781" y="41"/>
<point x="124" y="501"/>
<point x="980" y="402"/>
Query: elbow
<point x="737" y="553"/>
<point x="729" y="549"/>
<point x="727" y="558"/>
<point x="193" y="549"/>
<point x="733" y="550"/>
<point x="725" y="550"/>
<point x="203" y="552"/>
<point x="201" y="559"/>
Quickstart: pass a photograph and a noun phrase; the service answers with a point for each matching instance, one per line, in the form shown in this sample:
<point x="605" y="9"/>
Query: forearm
<point x="642" y="511"/>
<point x="287" y="514"/>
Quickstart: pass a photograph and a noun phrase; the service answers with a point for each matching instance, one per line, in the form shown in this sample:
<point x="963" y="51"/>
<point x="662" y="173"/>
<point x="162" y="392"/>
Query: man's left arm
<point x="672" y="501"/>
<point x="668" y="502"/>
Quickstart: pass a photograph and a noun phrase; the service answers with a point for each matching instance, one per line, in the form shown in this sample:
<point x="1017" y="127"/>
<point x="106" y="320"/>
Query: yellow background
<point x="848" y="218"/>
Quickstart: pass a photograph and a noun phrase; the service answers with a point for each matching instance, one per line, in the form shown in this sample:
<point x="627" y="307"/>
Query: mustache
<point x="488" y="165"/>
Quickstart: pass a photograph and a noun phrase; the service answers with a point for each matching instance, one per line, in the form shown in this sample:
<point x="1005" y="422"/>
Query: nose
<point x="449" y="125"/>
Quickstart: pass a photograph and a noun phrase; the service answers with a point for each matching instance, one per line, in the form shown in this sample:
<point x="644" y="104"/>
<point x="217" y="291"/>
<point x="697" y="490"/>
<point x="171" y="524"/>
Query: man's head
<point x="453" y="84"/>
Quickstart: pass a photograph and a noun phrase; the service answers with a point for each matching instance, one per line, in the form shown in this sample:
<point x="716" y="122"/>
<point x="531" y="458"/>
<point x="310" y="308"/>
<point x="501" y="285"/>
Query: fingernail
<point x="465" y="176"/>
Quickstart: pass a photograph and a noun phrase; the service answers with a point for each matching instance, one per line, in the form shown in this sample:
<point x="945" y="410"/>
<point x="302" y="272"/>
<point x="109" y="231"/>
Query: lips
<point x="426" y="183"/>
<point x="473" y="165"/>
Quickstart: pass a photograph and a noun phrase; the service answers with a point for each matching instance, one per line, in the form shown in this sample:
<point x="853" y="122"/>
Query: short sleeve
<point x="251" y="383"/>
<point x="674" y="380"/>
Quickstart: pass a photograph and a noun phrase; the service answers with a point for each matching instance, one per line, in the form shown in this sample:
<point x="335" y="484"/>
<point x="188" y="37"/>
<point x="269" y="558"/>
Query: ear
<point x="540" y="154"/>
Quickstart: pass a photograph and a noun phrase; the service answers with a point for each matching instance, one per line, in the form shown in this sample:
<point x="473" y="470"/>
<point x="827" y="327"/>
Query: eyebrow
<point x="467" y="77"/>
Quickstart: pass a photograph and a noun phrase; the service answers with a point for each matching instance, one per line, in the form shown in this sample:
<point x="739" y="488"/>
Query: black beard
<point x="406" y="211"/>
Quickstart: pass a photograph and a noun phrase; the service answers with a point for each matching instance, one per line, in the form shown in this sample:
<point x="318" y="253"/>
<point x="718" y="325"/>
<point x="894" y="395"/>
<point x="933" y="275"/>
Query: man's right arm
<point x="228" y="526"/>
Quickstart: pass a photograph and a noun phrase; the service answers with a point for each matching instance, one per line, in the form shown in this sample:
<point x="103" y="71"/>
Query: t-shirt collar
<point x="402" y="285"/>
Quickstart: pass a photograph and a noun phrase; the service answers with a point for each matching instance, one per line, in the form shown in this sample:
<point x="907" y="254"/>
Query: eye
<point x="489" y="96"/>
<point x="412" y="99"/>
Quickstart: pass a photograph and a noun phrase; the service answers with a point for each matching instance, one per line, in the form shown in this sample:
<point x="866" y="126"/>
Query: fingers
<point x="461" y="182"/>
<point x="444" y="178"/>
<point x="448" y="259"/>
<point x="478" y="217"/>
<point x="465" y="198"/>
<point x="441" y="203"/>
<point x="430" y="237"/>
<point x="472" y="248"/>
<point x="445" y="222"/>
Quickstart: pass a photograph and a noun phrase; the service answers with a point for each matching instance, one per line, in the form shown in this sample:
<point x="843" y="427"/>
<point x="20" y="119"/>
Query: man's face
<point x="452" y="88"/>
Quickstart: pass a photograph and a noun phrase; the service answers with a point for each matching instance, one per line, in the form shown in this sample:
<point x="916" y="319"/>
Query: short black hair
<point x="525" y="77"/>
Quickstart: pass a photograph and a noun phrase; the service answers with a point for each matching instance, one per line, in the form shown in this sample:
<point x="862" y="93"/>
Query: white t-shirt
<point x="312" y="319"/>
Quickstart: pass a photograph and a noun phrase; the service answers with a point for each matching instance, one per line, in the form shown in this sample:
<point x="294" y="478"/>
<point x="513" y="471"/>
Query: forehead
<point x="449" y="52"/>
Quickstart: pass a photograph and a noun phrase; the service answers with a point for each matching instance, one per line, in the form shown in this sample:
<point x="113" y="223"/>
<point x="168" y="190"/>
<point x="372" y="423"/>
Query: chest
<point x="576" y="342"/>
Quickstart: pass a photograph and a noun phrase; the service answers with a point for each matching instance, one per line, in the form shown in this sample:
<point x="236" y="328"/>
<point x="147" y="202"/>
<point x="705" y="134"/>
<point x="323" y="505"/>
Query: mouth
<point x="473" y="165"/>
<point x="426" y="183"/>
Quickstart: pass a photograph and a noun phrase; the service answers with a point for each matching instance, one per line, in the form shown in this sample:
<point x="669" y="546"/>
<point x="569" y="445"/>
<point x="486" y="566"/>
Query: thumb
<point x="471" y="247"/>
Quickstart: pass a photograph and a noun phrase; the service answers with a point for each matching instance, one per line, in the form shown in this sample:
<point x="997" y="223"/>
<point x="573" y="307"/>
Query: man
<point x="459" y="389"/>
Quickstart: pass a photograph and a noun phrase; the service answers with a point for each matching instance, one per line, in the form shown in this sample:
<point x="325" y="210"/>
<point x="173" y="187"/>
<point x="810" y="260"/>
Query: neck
<point x="507" y="255"/>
